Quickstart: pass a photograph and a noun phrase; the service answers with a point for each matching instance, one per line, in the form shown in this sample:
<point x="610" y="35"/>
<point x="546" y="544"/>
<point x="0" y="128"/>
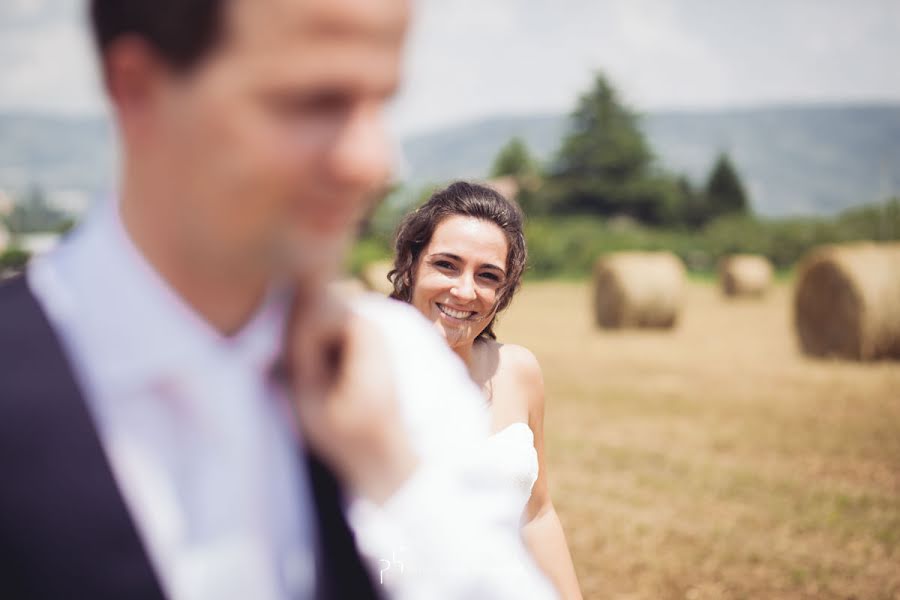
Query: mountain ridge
<point x="816" y="158"/>
<point x="813" y="158"/>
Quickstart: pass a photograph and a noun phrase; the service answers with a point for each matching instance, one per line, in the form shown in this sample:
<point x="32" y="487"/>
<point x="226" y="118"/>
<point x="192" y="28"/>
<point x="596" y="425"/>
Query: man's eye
<point x="320" y="104"/>
<point x="328" y="102"/>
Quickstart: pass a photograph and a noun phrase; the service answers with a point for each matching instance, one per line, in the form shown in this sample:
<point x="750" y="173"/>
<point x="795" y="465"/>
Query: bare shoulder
<point x="521" y="363"/>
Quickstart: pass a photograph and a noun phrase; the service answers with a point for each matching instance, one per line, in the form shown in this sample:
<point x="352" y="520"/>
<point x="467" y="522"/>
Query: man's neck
<point x="226" y="298"/>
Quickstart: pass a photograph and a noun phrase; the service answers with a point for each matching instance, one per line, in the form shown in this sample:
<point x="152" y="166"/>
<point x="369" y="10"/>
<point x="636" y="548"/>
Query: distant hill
<point x="56" y="152"/>
<point x="804" y="159"/>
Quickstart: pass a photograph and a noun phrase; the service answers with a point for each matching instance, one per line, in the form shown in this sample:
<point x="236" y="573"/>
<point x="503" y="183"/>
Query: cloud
<point x="471" y="58"/>
<point x="54" y="71"/>
<point x="46" y="58"/>
<point x="661" y="54"/>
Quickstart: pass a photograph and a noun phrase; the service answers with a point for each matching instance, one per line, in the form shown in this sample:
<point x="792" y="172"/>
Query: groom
<point x="146" y="448"/>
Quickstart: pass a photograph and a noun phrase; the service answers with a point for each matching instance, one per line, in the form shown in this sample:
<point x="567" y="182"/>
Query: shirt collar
<point x="124" y="313"/>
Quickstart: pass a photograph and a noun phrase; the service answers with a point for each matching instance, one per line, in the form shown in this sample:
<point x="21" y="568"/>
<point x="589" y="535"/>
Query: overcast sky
<point x="471" y="58"/>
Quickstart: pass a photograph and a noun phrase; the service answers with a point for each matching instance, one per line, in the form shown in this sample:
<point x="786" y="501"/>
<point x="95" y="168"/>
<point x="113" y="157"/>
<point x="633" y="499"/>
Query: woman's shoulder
<point x="519" y="379"/>
<point x="519" y="363"/>
<point x="519" y="358"/>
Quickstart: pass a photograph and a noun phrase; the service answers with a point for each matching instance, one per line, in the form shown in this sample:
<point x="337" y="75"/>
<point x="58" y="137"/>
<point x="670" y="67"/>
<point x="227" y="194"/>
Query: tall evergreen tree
<point x="694" y="209"/>
<point x="724" y="192"/>
<point x="605" y="140"/>
<point x="514" y="159"/>
<point x="605" y="164"/>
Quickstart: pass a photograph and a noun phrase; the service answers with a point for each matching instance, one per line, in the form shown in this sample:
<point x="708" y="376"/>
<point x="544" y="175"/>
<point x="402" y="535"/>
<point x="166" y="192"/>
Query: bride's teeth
<point x="456" y="314"/>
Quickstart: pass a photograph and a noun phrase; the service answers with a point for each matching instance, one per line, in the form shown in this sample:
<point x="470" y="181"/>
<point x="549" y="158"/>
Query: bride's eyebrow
<point x="446" y="255"/>
<point x="457" y="258"/>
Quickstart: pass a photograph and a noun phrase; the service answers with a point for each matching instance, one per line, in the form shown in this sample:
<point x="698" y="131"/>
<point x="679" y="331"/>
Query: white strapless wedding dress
<point x="510" y="456"/>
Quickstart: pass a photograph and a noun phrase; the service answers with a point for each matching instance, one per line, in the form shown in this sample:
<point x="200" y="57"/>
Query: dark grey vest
<point x="65" y="531"/>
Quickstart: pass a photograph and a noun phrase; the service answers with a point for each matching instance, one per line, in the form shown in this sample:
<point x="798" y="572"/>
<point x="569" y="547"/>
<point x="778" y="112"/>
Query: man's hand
<point x="345" y="397"/>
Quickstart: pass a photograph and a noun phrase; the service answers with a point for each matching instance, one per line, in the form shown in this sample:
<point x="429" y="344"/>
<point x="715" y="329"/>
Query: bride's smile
<point x="453" y="315"/>
<point x="460" y="276"/>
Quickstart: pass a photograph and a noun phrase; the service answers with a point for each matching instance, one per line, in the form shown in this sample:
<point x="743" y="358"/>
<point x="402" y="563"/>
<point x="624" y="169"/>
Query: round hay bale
<point x="745" y="275"/>
<point x="638" y="289"/>
<point x="847" y="301"/>
<point x="374" y="276"/>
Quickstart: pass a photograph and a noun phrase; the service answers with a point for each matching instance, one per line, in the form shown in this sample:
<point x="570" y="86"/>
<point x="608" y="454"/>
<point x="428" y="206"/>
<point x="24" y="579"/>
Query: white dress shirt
<point x="201" y="444"/>
<point x="204" y="450"/>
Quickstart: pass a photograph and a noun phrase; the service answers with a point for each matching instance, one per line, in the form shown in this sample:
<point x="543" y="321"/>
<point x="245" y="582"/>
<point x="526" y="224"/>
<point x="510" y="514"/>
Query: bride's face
<point x="459" y="277"/>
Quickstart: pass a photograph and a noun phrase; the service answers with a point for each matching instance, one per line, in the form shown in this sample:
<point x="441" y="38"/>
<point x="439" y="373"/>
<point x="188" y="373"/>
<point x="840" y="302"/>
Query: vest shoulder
<point x="25" y="333"/>
<point x="16" y="302"/>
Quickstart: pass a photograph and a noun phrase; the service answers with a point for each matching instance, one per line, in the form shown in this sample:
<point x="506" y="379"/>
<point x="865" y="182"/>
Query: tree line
<point x="605" y="167"/>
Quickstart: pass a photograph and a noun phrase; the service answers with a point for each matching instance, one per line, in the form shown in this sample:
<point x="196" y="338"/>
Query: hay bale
<point x="638" y="289"/>
<point x="745" y="275"/>
<point x="374" y="276"/>
<point x="847" y="301"/>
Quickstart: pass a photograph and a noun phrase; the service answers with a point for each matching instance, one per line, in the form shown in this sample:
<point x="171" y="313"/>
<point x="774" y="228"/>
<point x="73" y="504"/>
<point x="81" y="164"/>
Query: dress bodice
<point x="512" y="457"/>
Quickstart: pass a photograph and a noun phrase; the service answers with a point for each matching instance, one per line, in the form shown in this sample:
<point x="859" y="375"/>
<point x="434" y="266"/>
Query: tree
<point x="694" y="209"/>
<point x="724" y="191"/>
<point x="13" y="260"/>
<point x="605" y="165"/>
<point x="33" y="214"/>
<point x="514" y="159"/>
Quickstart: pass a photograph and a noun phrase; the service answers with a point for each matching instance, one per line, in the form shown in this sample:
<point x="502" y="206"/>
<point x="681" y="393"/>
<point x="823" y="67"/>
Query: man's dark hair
<point x="181" y="31"/>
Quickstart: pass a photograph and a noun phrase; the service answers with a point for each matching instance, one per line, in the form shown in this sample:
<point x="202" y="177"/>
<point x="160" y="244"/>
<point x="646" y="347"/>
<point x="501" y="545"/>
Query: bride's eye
<point x="442" y="264"/>
<point x="491" y="276"/>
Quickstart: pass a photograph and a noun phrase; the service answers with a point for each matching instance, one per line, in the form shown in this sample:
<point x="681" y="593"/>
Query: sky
<point x="474" y="58"/>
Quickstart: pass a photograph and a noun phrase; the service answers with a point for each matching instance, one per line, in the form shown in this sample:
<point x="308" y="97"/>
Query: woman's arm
<point x="438" y="535"/>
<point x="541" y="527"/>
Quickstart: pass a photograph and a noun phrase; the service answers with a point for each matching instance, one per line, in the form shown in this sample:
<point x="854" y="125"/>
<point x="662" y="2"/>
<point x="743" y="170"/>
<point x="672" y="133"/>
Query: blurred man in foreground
<point x="147" y="446"/>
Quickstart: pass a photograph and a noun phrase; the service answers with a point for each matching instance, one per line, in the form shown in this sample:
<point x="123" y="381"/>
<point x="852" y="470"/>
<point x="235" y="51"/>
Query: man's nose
<point x="361" y="156"/>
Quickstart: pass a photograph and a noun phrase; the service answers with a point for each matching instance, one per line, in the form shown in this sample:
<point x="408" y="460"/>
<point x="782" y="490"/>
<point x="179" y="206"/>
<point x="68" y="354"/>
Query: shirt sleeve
<point x="449" y="532"/>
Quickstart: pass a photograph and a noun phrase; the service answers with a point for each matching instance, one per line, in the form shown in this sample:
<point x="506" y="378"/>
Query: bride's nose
<point x="464" y="288"/>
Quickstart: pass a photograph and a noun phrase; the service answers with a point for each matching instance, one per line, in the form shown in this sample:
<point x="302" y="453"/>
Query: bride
<point x="459" y="259"/>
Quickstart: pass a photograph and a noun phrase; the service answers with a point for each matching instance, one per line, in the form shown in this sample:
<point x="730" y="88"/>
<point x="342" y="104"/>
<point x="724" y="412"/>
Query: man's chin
<point x="314" y="258"/>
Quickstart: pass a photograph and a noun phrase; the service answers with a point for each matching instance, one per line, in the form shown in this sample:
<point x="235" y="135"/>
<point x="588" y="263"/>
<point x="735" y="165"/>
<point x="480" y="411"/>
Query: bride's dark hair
<point x="468" y="200"/>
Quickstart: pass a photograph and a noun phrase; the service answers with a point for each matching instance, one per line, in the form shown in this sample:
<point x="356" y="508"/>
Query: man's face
<point x="275" y="141"/>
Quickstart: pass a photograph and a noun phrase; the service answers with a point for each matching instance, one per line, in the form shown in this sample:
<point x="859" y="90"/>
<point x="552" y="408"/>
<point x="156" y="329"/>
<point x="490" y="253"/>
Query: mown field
<point x="715" y="461"/>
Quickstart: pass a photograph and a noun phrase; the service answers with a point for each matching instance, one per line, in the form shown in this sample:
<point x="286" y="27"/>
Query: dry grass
<point x="715" y="461"/>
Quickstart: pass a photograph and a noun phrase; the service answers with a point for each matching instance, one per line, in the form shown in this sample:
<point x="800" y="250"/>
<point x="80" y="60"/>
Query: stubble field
<point x="715" y="461"/>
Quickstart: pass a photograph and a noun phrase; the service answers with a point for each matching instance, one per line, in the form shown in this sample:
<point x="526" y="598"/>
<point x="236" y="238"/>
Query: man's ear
<point x="133" y="73"/>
